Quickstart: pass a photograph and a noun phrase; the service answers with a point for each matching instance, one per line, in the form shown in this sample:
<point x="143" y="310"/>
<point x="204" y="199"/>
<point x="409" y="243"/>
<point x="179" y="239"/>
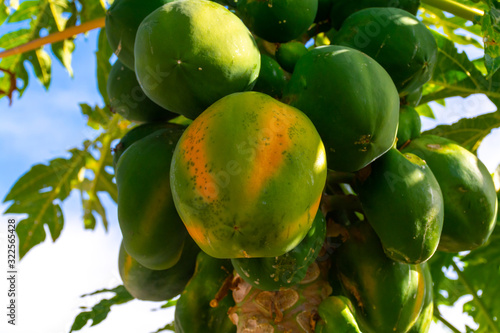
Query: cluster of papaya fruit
<point x="282" y="188"/>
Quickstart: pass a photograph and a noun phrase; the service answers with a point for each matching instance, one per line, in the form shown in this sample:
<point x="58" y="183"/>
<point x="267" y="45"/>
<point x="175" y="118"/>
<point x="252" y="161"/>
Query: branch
<point x="439" y="317"/>
<point x="55" y="37"/>
<point x="457" y="9"/>
<point x="479" y="302"/>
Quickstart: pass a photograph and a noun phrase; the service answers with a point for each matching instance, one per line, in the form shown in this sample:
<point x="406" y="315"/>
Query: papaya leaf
<point x="447" y="289"/>
<point x="97" y="117"/>
<point x="38" y="194"/>
<point x="481" y="274"/>
<point x="27" y="10"/>
<point x="104" y="52"/>
<point x="169" y="327"/>
<point x="100" y="311"/>
<point x="4" y="13"/>
<point x="456" y="75"/>
<point x="426" y="111"/>
<point x="15" y="38"/>
<point x="491" y="42"/>
<point x="42" y="65"/>
<point x="92" y="9"/>
<point x="469" y="132"/>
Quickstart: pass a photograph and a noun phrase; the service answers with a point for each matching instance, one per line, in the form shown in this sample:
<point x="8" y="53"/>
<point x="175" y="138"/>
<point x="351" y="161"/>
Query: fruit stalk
<point x="479" y="302"/>
<point x="53" y="38"/>
<point x="456" y="9"/>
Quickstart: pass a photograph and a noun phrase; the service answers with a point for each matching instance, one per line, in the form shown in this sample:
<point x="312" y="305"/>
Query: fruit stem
<point x="477" y="299"/>
<point x="457" y="9"/>
<point x="53" y="38"/>
<point x="438" y="316"/>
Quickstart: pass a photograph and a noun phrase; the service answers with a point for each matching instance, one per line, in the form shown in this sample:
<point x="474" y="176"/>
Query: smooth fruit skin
<point x="272" y="79"/>
<point x="336" y="316"/>
<point x="128" y="99"/>
<point x="122" y="20"/>
<point x="410" y="125"/>
<point x="351" y="100"/>
<point x="278" y="21"/>
<point x="470" y="201"/>
<point x="397" y="40"/>
<point x="190" y="53"/>
<point x="194" y="311"/>
<point x="288" y="54"/>
<point x="403" y="203"/>
<point x="153" y="233"/>
<point x="157" y="285"/>
<point x="388" y="296"/>
<point x="137" y="133"/>
<point x="274" y="273"/>
<point x="342" y="9"/>
<point x="247" y="177"/>
<point x="424" y="321"/>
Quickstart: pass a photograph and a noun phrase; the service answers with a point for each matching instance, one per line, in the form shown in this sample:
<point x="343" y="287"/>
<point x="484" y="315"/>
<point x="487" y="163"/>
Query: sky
<point x="52" y="276"/>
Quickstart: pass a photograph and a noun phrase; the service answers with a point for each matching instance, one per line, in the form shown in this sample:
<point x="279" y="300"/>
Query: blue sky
<point x="42" y="126"/>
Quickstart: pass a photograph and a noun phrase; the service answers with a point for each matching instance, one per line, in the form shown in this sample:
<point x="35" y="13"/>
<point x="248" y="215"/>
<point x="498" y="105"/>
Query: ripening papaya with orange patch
<point x="265" y="167"/>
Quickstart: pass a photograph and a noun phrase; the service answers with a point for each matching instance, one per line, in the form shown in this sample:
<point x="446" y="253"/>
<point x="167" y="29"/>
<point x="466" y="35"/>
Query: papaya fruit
<point x="336" y="316"/>
<point x="127" y="98"/>
<point x="122" y="20"/>
<point x="387" y="295"/>
<point x="397" y="40"/>
<point x="403" y="203"/>
<point x="342" y="9"/>
<point x="231" y="177"/>
<point x="470" y="201"/>
<point x="153" y="232"/>
<point x="138" y="133"/>
<point x="409" y="126"/>
<point x="272" y="79"/>
<point x="288" y="54"/>
<point x="413" y="98"/>
<point x="190" y="53"/>
<point x="292" y="309"/>
<point x="278" y="21"/>
<point x="326" y="85"/>
<point x="274" y="273"/>
<point x="424" y="321"/>
<point x="157" y="285"/>
<point x="198" y="310"/>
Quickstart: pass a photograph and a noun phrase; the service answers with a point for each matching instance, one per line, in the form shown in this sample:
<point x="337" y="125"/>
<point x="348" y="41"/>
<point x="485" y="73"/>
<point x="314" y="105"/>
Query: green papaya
<point x="122" y="20"/>
<point x="410" y="125"/>
<point x="272" y="79"/>
<point x="413" y="98"/>
<point x="387" y="295"/>
<point x="342" y="9"/>
<point x="191" y="53"/>
<point x="288" y="54"/>
<point x="336" y="316"/>
<point x="157" y="285"/>
<point x="273" y="273"/>
<point x="403" y="203"/>
<point x="128" y="99"/>
<point x="424" y="321"/>
<point x="397" y="40"/>
<point x="136" y="134"/>
<point x="153" y="232"/>
<point x="350" y="99"/>
<point x="196" y="310"/>
<point x="278" y="21"/>
<point x="470" y="201"/>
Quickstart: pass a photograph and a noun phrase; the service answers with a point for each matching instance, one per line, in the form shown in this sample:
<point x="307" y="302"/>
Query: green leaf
<point x="4" y="13"/>
<point x="27" y="10"/>
<point x="92" y="9"/>
<point x="104" y="52"/>
<point x="491" y="42"/>
<point x="63" y="51"/>
<point x="469" y="132"/>
<point x="169" y="327"/>
<point x="15" y="38"/>
<point x="456" y="75"/>
<point x="425" y="110"/>
<point x="100" y="311"/>
<point x="37" y="192"/>
<point x="42" y="65"/>
<point x="97" y="117"/>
